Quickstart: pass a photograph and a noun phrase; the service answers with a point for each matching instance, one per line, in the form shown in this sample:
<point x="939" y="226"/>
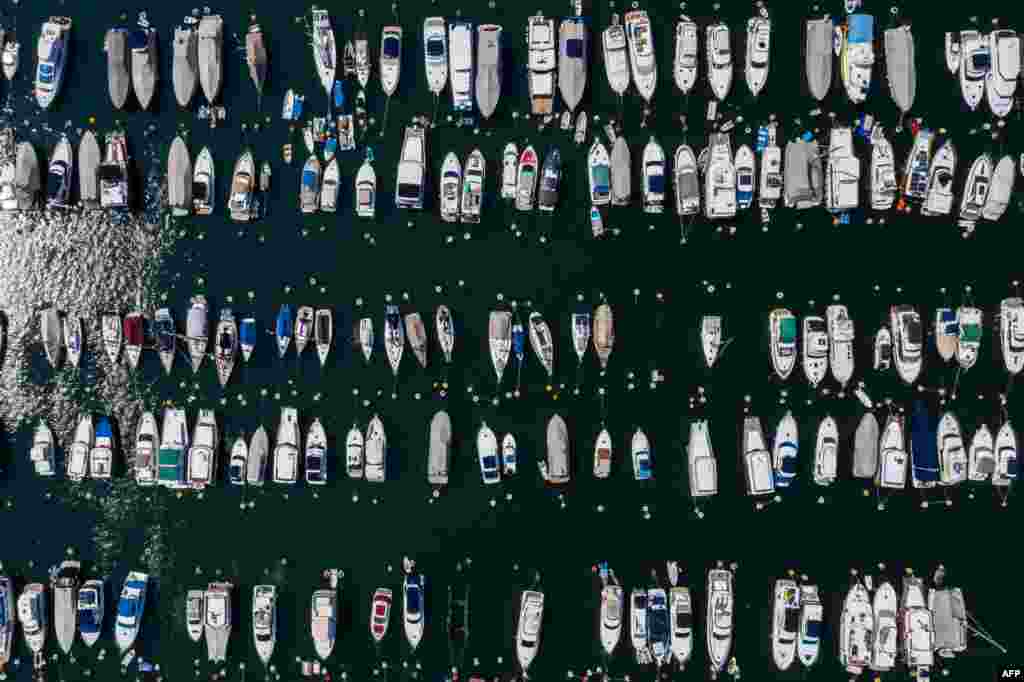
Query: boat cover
<point x="900" y="67"/>
<point x="924" y="451"/>
<point x="284" y="321"/>
<point x="103" y="429"/>
<point x="865" y="447"/>
<point x="949" y="615"/>
<point x="87" y="602"/>
<point x="862" y="28"/>
<point x="138" y="40"/>
<point x="787" y="330"/>
<point x="133" y="335"/>
<point x="391" y="47"/>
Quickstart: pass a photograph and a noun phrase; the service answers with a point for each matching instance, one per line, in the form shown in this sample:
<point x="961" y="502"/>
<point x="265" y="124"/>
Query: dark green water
<point x="658" y="290"/>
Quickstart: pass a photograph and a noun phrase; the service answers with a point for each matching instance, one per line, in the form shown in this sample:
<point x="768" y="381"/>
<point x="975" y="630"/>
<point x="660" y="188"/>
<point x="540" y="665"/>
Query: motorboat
<point x="375" y="451"/>
<point x="101" y="456"/>
<point x="526" y="179"/>
<point x="134" y="338"/>
<point x="815" y="349"/>
<point x="323" y="618"/>
<point x="380" y="614"/>
<point x="196" y="331"/>
<point x="130" y="609"/>
<point x="264" y="621"/>
<point x="865" y="447"/>
<point x="413" y="604"/>
<point x="451" y="186"/>
<point x="329" y="187"/>
<point x="390" y="58"/>
<point x="325" y="49"/>
<point x="885" y="643"/>
<point x="42" y="454"/>
<point x="210" y="58"/>
<point x="939" y="197"/>
<point x="90" y="609"/>
<point x="435" y="53"/>
<point x="785" y="447"/>
<point x="900" y="66"/>
<point x="286" y="447"/>
<point x="757" y="461"/>
<point x="10" y="56"/>
<point x="981" y="461"/>
<point x="488" y="71"/>
<point x="111" y="332"/>
<point x="460" y="65"/>
<point x="74" y="339"/>
<point x="969" y="336"/>
<point x="581" y="324"/>
<point x="145" y="69"/>
<point x="238" y="461"/>
<point x="654" y="176"/>
<point x="603" y="334"/>
<point x="360" y="62"/>
<point x="554" y="468"/>
<point x="147" y="449"/>
<point x="599" y="174"/>
<point x="616" y="61"/>
<point x="217" y="613"/>
<point x="509" y="455"/>
<point x="394" y="337"/>
<point x="856" y="55"/>
<point x="891" y="471"/>
<point x="759" y="33"/>
<point x="603" y="454"/>
<point x="88" y="170"/>
<point x="916" y="171"/>
<point x="924" y="453"/>
<point x="687" y="183"/>
<point x="472" y="190"/>
<point x="1011" y="334"/>
<point x="542" y="342"/>
<point x="883" y="183"/>
<point x="638" y="625"/>
<point x="444" y="324"/>
<point x="818" y="56"/>
<point x="52" y="53"/>
<point x="975" y="64"/>
<point x="179" y="178"/>
<point x="78" y="454"/>
<point x="309" y="187"/>
<point x="225" y="351"/>
<point x="439" y="451"/>
<point x="785" y="623"/>
<point x="202" y="189"/>
<point x="976" y="189"/>
<point x="611" y="617"/>
<point x="952" y="455"/>
<point x="323" y="333"/>
<point x="366" y="191"/>
<point x="719" y="618"/>
<point x="64" y="584"/>
<point x="681" y="615"/>
<point x="410" y="178"/>
<point x="184" y="64"/>
<point x="33" y="616"/>
<point x="573" y="56"/>
<point x="1004" y="48"/>
<point x="354" y="450"/>
<point x="640" y="455"/>
<point x="842" y="173"/>
<point x="805" y="176"/>
<point x="499" y="333"/>
<point x="856" y="630"/>
<point x="812" y="618"/>
<point x="659" y="635"/>
<point x="1000" y="189"/>
<point x="782" y="332"/>
<point x="701" y="461"/>
<point x="917" y="627"/>
<point x="531" y="615"/>
<point x="905" y="326"/>
<point x="640" y="41"/>
<point x="171" y="459"/>
<point x="841" y="333"/>
<point x="58" y="177"/>
<point x="541" y="62"/>
<point x="719" y="179"/>
<point x="50" y="331"/>
<point x="202" y="456"/>
<point x="509" y="171"/>
<point x="284" y="329"/>
<point x="316" y="454"/>
<point x="416" y="333"/>
<point x="684" y="63"/>
<point x="550" y="180"/>
<point x="744" y="165"/>
<point x="256" y="57"/>
<point x="952" y="51"/>
<point x="1006" y="457"/>
<point x="622" y="173"/>
<point x="113" y="173"/>
<point x="243" y="186"/>
<point x="826" y="452"/>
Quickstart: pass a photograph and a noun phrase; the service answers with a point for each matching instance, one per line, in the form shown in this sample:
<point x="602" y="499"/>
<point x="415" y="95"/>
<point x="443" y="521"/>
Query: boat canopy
<point x="862" y="28"/>
<point x="284" y="321"/>
<point x="138" y="40"/>
<point x="323" y="329"/>
<point x="574" y="48"/>
<point x="788" y="464"/>
<point x="814" y="629"/>
<point x="412" y="600"/>
<point x="391" y="47"/>
<point x="602" y="179"/>
<point x="103" y="429"/>
<point x="970" y="332"/>
<point x="656" y="183"/>
<point x="226" y="339"/>
<point x="787" y="330"/>
<point x="310" y="179"/>
<point x="924" y="447"/>
<point x="133" y="332"/>
<point x="792" y="621"/>
<point x="684" y="620"/>
<point x="435" y="47"/>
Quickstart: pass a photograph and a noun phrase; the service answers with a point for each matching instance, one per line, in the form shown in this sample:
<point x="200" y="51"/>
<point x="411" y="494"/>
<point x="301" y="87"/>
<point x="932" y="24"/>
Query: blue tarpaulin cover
<point x="862" y="28"/>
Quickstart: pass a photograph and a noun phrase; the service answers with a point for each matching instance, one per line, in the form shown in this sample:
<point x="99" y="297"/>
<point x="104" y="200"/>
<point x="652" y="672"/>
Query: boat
<point x="815" y="349"/>
<point x="840" y="336"/>
<point x="142" y="42"/>
<point x="684" y="63"/>
<point x="611" y="617"/>
<point x="818" y="56"/>
<point x="364" y="338"/>
<point x="286" y="447"/>
<point x="226" y="346"/>
<point x="640" y="42"/>
<point x="411" y="176"/>
<point x="323" y="333"/>
<point x="981" y="461"/>
<point x="599" y="174"/>
<point x="52" y="53"/>
<point x="413" y="604"/>
<point x="130" y="609"/>
<point x="111" y="334"/>
<point x="380" y="614"/>
<point x="210" y="45"/>
<point x="976" y="189"/>
<point x="487" y="455"/>
<point x="284" y="329"/>
<point x="323" y="621"/>
<point x="375" y="452"/>
<point x="416" y="333"/>
<point x="638" y="625"/>
<point x="905" y="326"/>
<point x="757" y="461"/>
<point x="720" y="179"/>
<point x="499" y="333"/>
<point x="953" y="52"/>
<point x="394" y="336"/>
<point x="555" y="467"/>
<point x="811" y="625"/>
<point x="596" y="222"/>
<point x="759" y="33"/>
<point x="390" y="58"/>
<point x="202" y="189"/>
<point x="134" y="338"/>
<point x="243" y="185"/>
<point x="309" y="188"/>
<point x="550" y="179"/>
<point x="622" y="173"/>
<point x="805" y="178"/>
<point x="354" y="447"/>
<point x="892" y="455"/>
<point x="842" y="173"/>
<point x="603" y="454"/>
<point x="526" y="179"/>
<point x="180" y="178"/>
<point x="147" y="439"/>
<point x="457" y="621"/>
<point x="785" y="447"/>
<point x="439" y="451"/>
<point x="701" y="462"/>
<point x="1000" y="189"/>
<point x="256" y="58"/>
<point x="451" y="185"/>
<point x="975" y="63"/>
<point x="719" y="618"/>
<point x="473" y="187"/>
<point x="883" y="183"/>
<point x="89" y="608"/>
<point x="785" y="623"/>
<point x="856" y="55"/>
<point x="113" y="173"/>
<point x="952" y="456"/>
<point x="184" y="65"/>
<point x="27" y="184"/>
<point x="42" y="457"/>
<point x="916" y="170"/>
<point x="1006" y="457"/>
<point x="366" y="191"/>
<point x="616" y="61"/>
<point x="101" y="456"/>
<point x="687" y="184"/>
<point x="50" y="331"/>
<point x="744" y="165"/>
<point x="1004" y="68"/>
<point x="256" y="462"/>
<point x="65" y="601"/>
<point x="573" y="55"/>
<point x="640" y="455"/>
<point x="325" y="51"/>
<point x="826" y="452"/>
<point x="509" y="171"/>
<point x="58" y="178"/>
<point x="361" y="53"/>
<point x="541" y="63"/>
<point x="865" y="447"/>
<point x="531" y="616"/>
<point x="719" y="58"/>
<point x="658" y="626"/>
<point x="196" y="331"/>
<point x="329" y="189"/>
<point x="856" y="630"/>
<point x="681" y="614"/>
<point x="32" y="615"/>
<point x="488" y="68"/>
<point x="1011" y="334"/>
<point x="238" y="461"/>
<point x="900" y="66"/>
<point x="316" y="454"/>
<point x="782" y="330"/>
<point x="580" y="323"/>
<point x="217" y="620"/>
<point x="88" y="170"/>
<point x="653" y="170"/>
<point x="542" y="343"/>
<point x="460" y="64"/>
<point x="435" y="53"/>
<point x="918" y="628"/>
<point x="202" y="456"/>
<point x="884" y="644"/>
<point x="580" y="131"/>
<point x="171" y="459"/>
<point x="445" y="327"/>
<point x="939" y="197"/>
<point x="509" y="455"/>
<point x="969" y="336"/>
<point x="603" y="334"/>
<point x="73" y="339"/>
<point x="924" y="453"/>
<point x="264" y="621"/>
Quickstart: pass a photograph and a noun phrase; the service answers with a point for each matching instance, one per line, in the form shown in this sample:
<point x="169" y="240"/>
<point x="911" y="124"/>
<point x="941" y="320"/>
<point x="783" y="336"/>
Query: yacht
<point x="719" y="619"/>
<point x="1006" y="457"/>
<point x="130" y="609"/>
<point x="939" y="197"/>
<point x="58" y="177"/>
<point x="757" y="461"/>
<point x="916" y="170"/>
<point x="171" y="460"/>
<point x="841" y="333"/>
<point x="658" y="626"/>
<point x="542" y="58"/>
<point x="687" y="183"/>
<point x="1001" y="82"/>
<point x="209" y="49"/>
<point x="113" y="173"/>
<point x="309" y="187"/>
<point x="702" y="465"/>
<point x="526" y="180"/>
<point x="473" y="188"/>
<point x="900" y="66"/>
<point x="184" y="65"/>
<point x="969" y="336"/>
<point x="611" y="617"/>
<point x="531" y="615"/>
<point x="81" y="447"/>
<point x="573" y="49"/>
<point x="976" y="188"/>
<point x="264" y="620"/>
<point x="616" y="61"/>
<point x="197" y="331"/>
<point x="719" y="179"/>
<point x="147" y="450"/>
<point x="599" y="174"/>
<point x="145" y="69"/>
<point x="856" y="55"/>
<point x="640" y="41"/>
<point x="32" y="614"/>
<point x="785" y="447"/>
<point x="202" y="456"/>
<point x="856" y="630"/>
<point x="981" y="460"/>
<point x="52" y="54"/>
<point x="785" y="623"/>
<point x="759" y="32"/>
<point x="812" y="617"/>
<point x="286" y="449"/>
<point x="685" y="60"/>
<point x="325" y="50"/>
<point x="225" y="351"/>
<point x="440" y="449"/>
<point x="818" y="41"/>
<point x="90" y="608"/>
<point x="681" y="614"/>
<point x="202" y="190"/>
<point x="259" y="451"/>
<point x="892" y="455"/>
<point x="488" y="68"/>
<point x="451" y="185"/>
<point x="653" y="171"/>
<point x="256" y="57"/>
<point x="460" y="65"/>
<point x="329" y="187"/>
<point x="390" y="58"/>
<point x="719" y="58"/>
<point x="804" y="176"/>
<point x="217" y="625"/>
<point x="179" y="178"/>
<point x="782" y="332"/>
<point x="884" y="645"/>
<point x="42" y="453"/>
<point x="323" y="617"/>
<point x="411" y="175"/>
<point x="975" y="64"/>
<point x="65" y="602"/>
<point x="101" y="456"/>
<point x="1011" y="334"/>
<point x="554" y="468"/>
<point x="366" y="191"/>
<point x="882" y="180"/>
<point x="842" y="173"/>
<point x="413" y="602"/>
<point x="905" y="325"/>
<point x="375" y="451"/>
<point x="918" y="628"/>
<point x="435" y="53"/>
<point x="952" y="455"/>
<point x="603" y="333"/>
<point x="744" y="165"/>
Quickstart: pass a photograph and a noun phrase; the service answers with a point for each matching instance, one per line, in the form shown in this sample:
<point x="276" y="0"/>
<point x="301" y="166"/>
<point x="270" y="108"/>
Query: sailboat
<point x="196" y="331"/>
<point x="542" y="342"/>
<point x="325" y="51"/>
<point x="226" y="346"/>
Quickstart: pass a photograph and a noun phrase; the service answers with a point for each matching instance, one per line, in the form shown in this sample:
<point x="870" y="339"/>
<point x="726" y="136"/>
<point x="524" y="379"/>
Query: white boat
<point x="316" y="454"/>
<point x="435" y="53"/>
<point x="81" y="446"/>
<point x="325" y="50"/>
<point x="782" y="341"/>
<point x="745" y="174"/>
<point x="202" y="189"/>
<point x="900" y="66"/>
<point x="580" y="323"/>
<point x="130" y="609"/>
<point x="1011" y="334"/>
<point x="323" y="621"/>
<point x="905" y="325"/>
<point x="472" y="198"/>
<point x="599" y="174"/>
<point x="681" y="618"/>
<point x="1001" y="81"/>
<point x="416" y="333"/>
<point x="719" y="57"/>
<point x="856" y="55"/>
<point x="812" y="615"/>
<point x="243" y="185"/>
<point x="361" y="57"/>
<point x="509" y="171"/>
<point x="653" y="172"/>
<point x="451" y="187"/>
<point x="366" y="191"/>
<point x="638" y="625"/>
<point x="509" y="455"/>
<point x="981" y="460"/>
<point x="603" y="454"/>
<point x="719" y="179"/>
<point x="488" y="72"/>
<point x="32" y="614"/>
<point x="785" y="622"/>
<point x="394" y="337"/>
<point x="323" y="333"/>
<point x="10" y="58"/>
<point x="541" y="62"/>
<point x="573" y="56"/>
<point x="217" y="612"/>
<point x="531" y="616"/>
<point x="460" y="60"/>
<point x="915" y="171"/>
<point x="354" y="448"/>
<point x="939" y="197"/>
<point x="184" y="65"/>
<point x="499" y="334"/>
<point x="444" y="324"/>
<point x="701" y="462"/>
<point x="616" y="62"/>
<point x="611" y="617"/>
<point x="375" y="452"/>
<point x="196" y="331"/>
<point x="757" y="460"/>
<point x="975" y="62"/>
<point x="684" y="63"/>
<point x="526" y="179"/>
<point x="52" y="54"/>
<point x="883" y="184"/>
<point x="640" y="40"/>
<point x="842" y="173"/>
<point x="659" y="627"/>
<point x="640" y="455"/>
<point x="209" y="48"/>
<point x="101" y="456"/>
<point x="555" y="468"/>
<point x="918" y="628"/>
<point x="410" y="178"/>
<point x="225" y="346"/>
<point x="815" y="350"/>
<point x="687" y="183"/>
<point x="885" y="643"/>
<point x="1006" y="456"/>
<point x="542" y="343"/>
<point x="882" y="349"/>
<point x="759" y="33"/>
<point x="42" y="457"/>
<point x="111" y="334"/>
<point x="390" y="58"/>
<point x="969" y="336"/>
<point x="50" y="331"/>
<point x="286" y="447"/>
<point x="953" y="53"/>
<point x="439" y="451"/>
<point x="90" y="608"/>
<point x="950" y="446"/>
<point x="856" y="630"/>
<point x="841" y="335"/>
<point x="238" y="461"/>
<point x="1000" y="189"/>
<point x="604" y="333"/>
<point x="74" y="335"/>
<point x="412" y="609"/>
<point x="892" y="455"/>
<point x="329" y="187"/>
<point x="719" y="621"/>
<point x="785" y="447"/>
<point x="487" y="455"/>
<point x="147" y="444"/>
<point x="264" y="621"/>
<point x="804" y="175"/>
<point x="144" y="64"/>
<point x="976" y="189"/>
<point x="202" y="456"/>
<point x="865" y="447"/>
<point x="826" y="452"/>
<point x="309" y="186"/>
<point x="818" y="56"/>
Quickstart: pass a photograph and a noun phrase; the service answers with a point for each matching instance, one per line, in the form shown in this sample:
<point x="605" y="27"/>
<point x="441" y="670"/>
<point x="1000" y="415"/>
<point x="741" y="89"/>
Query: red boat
<point x="380" y="614"/>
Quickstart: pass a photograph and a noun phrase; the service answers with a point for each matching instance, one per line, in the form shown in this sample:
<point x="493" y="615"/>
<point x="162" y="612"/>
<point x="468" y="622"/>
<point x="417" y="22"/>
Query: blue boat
<point x="283" y="332"/>
<point x="130" y="609"/>
<point x="339" y="96"/>
<point x="519" y="342"/>
<point x="247" y="337"/>
<point x="90" y="611"/>
<point x="330" y="148"/>
<point x="924" y="449"/>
